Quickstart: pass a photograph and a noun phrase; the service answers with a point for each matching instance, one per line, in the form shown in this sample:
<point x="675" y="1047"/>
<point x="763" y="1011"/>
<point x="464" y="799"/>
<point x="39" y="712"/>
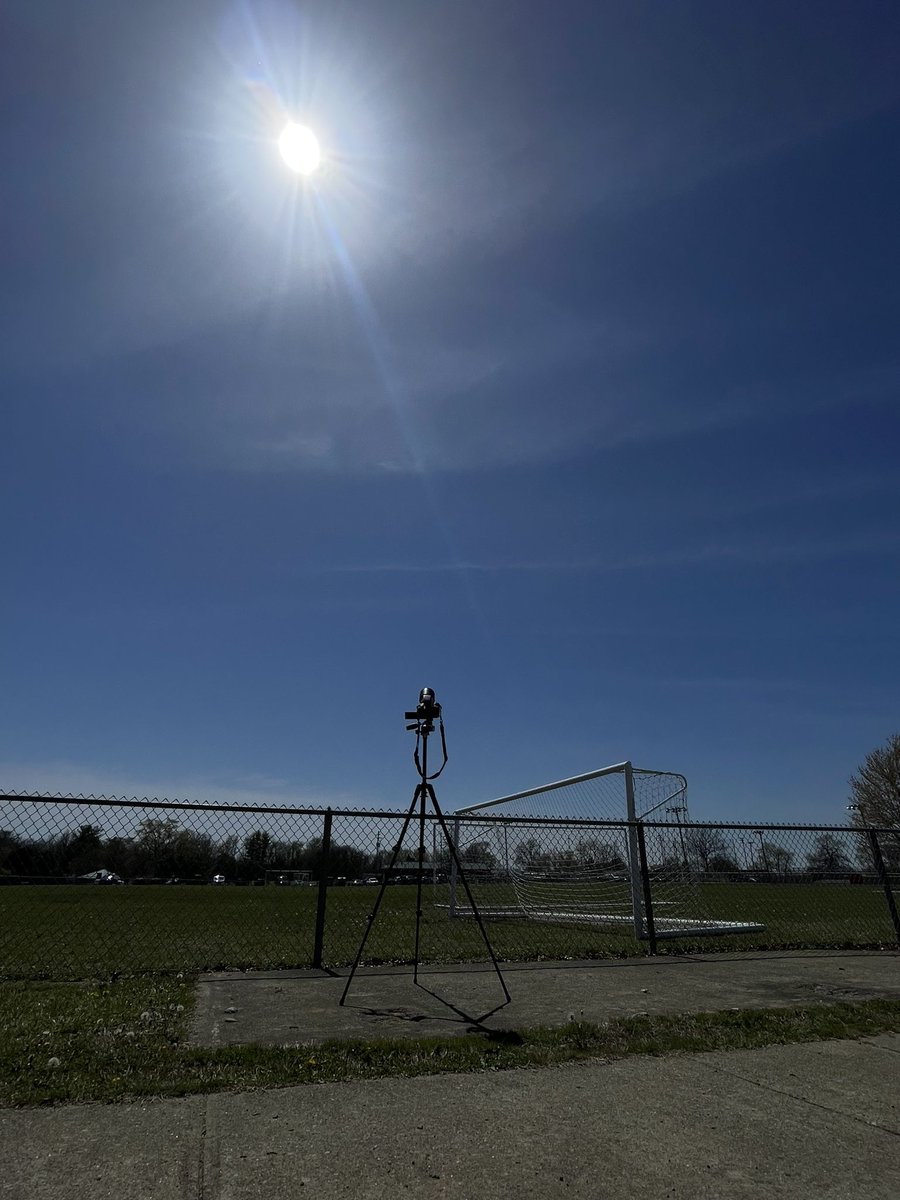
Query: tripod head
<point x="425" y="712"/>
<point x="423" y="717"/>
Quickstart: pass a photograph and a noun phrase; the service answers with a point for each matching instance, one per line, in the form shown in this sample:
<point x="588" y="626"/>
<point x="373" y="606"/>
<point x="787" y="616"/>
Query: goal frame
<point x="631" y="821"/>
<point x="627" y="770"/>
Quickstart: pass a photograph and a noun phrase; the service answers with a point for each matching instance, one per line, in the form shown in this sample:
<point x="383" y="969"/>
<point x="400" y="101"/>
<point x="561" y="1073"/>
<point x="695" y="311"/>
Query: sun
<point x="299" y="148"/>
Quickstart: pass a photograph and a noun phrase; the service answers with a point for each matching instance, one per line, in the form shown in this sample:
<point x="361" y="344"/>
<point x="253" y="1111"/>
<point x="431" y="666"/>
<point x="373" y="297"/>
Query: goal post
<point x="568" y="852"/>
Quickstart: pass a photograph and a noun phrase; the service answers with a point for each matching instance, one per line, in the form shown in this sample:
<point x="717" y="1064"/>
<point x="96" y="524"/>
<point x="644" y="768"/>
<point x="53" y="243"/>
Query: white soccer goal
<point x="568" y="853"/>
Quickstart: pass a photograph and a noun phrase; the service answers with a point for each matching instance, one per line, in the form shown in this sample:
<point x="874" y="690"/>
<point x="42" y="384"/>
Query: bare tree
<point x="595" y="852"/>
<point x="156" y="844"/>
<point x="704" y="844"/>
<point x="875" y="788"/>
<point x="528" y="852"/>
<point x="828" y="856"/>
<point x="875" y="796"/>
<point x="773" y="859"/>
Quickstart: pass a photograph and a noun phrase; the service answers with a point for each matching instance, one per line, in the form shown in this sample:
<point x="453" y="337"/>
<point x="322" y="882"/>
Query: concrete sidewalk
<point x="819" y="1121"/>
<point x="299" y="1006"/>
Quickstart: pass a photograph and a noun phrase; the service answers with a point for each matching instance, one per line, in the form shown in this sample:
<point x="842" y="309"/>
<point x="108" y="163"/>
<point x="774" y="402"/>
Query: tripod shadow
<point x="476" y="1023"/>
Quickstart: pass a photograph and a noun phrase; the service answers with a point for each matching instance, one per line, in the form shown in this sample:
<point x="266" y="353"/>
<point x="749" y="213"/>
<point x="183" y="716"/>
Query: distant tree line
<point x="161" y="849"/>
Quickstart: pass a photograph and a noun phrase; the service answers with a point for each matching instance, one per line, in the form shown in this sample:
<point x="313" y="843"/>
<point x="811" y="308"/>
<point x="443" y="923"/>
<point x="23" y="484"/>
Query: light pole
<point x="870" y="833"/>
<point x="678" y="809"/>
<point x="762" y="850"/>
<point x="748" y="852"/>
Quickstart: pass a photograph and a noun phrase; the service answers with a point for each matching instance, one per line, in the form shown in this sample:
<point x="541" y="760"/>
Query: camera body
<point x="427" y="709"/>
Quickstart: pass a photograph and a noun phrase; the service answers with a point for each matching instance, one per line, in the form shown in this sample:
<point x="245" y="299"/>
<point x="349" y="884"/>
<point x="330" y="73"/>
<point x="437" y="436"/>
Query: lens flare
<point x="299" y="148"/>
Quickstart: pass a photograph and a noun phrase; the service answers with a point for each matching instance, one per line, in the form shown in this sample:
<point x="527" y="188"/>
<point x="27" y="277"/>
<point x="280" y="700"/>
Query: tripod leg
<point x="419" y="872"/>
<point x="412" y="808"/>
<point x="462" y="876"/>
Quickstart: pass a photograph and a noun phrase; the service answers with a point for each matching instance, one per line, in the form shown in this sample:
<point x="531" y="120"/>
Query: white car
<point x="218" y="878"/>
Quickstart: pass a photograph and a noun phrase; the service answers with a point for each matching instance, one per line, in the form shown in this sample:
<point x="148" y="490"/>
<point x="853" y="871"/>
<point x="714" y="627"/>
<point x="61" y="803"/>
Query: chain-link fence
<point x="92" y="886"/>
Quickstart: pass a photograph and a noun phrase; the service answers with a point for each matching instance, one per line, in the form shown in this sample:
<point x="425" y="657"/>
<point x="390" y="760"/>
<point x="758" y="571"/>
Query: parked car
<point x="218" y="878"/>
<point x="102" y="876"/>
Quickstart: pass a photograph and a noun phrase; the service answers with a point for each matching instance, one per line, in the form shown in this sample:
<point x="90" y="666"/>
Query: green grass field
<point x="62" y="932"/>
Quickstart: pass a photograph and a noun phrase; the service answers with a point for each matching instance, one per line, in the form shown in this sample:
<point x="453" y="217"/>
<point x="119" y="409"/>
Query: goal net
<point x="568" y="853"/>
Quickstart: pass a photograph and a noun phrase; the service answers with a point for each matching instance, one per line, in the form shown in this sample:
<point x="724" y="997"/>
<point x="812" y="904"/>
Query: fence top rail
<point x="615" y="769"/>
<point x="467" y="815"/>
<point x="760" y="827"/>
<point x="623" y="823"/>
<point x="185" y="805"/>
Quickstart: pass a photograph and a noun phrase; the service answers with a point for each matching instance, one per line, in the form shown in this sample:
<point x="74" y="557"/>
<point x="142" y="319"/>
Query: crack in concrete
<point x="881" y="1046"/>
<point x="201" y="1151"/>
<point x="208" y="1155"/>
<point x="768" y="1087"/>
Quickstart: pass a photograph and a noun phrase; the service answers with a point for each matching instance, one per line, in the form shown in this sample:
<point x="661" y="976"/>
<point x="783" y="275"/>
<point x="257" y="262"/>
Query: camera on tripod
<point x="425" y="711"/>
<point x="424" y="716"/>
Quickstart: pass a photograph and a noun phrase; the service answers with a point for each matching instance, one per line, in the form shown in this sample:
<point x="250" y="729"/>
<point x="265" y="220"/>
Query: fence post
<point x="884" y="880"/>
<point x="645" y="881"/>
<point x="453" y="871"/>
<point x="634" y="866"/>
<point x="324" y="871"/>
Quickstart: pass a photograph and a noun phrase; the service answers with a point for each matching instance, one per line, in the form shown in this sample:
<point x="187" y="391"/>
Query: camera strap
<point x="417" y="760"/>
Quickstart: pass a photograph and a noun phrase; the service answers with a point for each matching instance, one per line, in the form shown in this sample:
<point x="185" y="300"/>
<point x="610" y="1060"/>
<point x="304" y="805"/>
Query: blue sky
<point x="568" y="388"/>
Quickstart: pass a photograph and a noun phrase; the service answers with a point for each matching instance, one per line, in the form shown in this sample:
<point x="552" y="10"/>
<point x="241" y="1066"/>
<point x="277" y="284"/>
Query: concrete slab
<point x="855" y="1079"/>
<point x="148" y="1151"/>
<point x="296" y="1006"/>
<point x="638" y="1128"/>
<point x="748" y="1125"/>
<point x="884" y="1041"/>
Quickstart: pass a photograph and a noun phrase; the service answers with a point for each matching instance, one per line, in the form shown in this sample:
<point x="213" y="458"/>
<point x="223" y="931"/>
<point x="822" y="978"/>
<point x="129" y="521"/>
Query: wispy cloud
<point x="710" y="554"/>
<point x="552" y="387"/>
<point x="81" y="779"/>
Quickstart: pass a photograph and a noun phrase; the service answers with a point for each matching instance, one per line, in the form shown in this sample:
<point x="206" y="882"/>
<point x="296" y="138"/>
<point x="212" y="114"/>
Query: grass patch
<point x="124" y="1039"/>
<point x="65" y="932"/>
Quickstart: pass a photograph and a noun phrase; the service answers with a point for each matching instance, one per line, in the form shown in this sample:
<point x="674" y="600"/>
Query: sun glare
<point x="299" y="148"/>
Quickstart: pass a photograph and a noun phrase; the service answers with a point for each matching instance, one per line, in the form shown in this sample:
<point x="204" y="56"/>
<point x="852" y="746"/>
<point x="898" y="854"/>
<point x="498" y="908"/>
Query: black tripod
<point x="423" y="717"/>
